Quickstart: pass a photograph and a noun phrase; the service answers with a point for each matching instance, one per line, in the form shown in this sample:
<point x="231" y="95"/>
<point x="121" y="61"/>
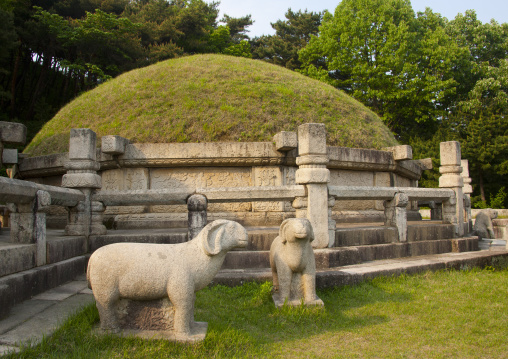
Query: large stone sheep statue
<point x="293" y="264"/>
<point x="483" y="226"/>
<point x="147" y="272"/>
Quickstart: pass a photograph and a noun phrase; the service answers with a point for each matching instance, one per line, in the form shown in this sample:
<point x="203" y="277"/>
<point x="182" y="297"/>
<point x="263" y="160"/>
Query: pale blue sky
<point x="266" y="11"/>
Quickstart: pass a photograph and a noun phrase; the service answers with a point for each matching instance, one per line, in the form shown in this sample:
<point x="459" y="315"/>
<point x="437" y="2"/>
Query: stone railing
<point x="28" y="203"/>
<point x="312" y="197"/>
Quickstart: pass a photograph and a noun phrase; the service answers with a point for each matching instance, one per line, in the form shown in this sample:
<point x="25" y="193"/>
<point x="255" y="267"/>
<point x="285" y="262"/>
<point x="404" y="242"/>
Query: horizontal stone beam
<point x="427" y="194"/>
<point x="141" y="197"/>
<point x="12" y="133"/>
<point x="387" y="193"/>
<point x="361" y="192"/>
<point x="247" y="194"/>
<point x="17" y="191"/>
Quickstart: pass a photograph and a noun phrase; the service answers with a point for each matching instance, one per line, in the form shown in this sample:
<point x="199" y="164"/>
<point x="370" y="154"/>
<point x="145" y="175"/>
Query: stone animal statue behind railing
<point x="483" y="226"/>
<point x="293" y="264"/>
<point x="149" y="272"/>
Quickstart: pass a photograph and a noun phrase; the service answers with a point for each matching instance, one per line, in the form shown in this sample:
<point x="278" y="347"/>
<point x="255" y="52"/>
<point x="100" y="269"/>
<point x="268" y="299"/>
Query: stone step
<point x="378" y="234"/>
<point x="353" y="274"/>
<point x="261" y="238"/>
<point x="15" y="288"/>
<point x="64" y="247"/>
<point x="340" y="256"/>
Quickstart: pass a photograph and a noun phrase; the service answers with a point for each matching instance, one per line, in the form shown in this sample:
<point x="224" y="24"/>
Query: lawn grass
<point x="210" y="98"/>
<point x="447" y="314"/>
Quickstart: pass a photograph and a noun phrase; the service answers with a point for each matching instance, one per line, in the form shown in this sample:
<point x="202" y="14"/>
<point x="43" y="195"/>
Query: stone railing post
<point x="468" y="190"/>
<point x="436" y="211"/>
<point x="28" y="223"/>
<point x="197" y="217"/>
<point x="85" y="219"/>
<point x="312" y="172"/>
<point x="453" y="209"/>
<point x="396" y="215"/>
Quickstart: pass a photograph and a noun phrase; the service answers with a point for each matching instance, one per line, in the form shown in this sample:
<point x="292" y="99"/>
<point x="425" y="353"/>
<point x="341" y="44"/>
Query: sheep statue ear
<point x="282" y="230"/>
<point x="211" y="237"/>
<point x="311" y="231"/>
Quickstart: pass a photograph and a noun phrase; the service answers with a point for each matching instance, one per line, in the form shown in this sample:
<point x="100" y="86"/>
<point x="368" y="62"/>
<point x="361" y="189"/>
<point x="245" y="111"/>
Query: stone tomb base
<point x="153" y="319"/>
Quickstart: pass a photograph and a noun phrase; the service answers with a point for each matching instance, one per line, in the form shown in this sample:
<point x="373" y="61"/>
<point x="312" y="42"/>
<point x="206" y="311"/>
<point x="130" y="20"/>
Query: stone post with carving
<point x="468" y="190"/>
<point x="312" y="172"/>
<point x="453" y="209"/>
<point x="396" y="215"/>
<point x="86" y="218"/>
<point x="28" y="223"/>
<point x="197" y="217"/>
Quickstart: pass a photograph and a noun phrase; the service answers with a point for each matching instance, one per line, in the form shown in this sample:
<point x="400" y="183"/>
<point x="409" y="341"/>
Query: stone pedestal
<point x="28" y="223"/>
<point x="453" y="209"/>
<point x="85" y="218"/>
<point x="396" y="215"/>
<point x="312" y="172"/>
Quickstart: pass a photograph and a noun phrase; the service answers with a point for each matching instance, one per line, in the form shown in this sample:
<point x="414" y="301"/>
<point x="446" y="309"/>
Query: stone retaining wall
<point x="208" y="165"/>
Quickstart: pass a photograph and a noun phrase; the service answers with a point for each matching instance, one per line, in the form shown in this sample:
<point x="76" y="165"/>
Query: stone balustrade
<point x="313" y="196"/>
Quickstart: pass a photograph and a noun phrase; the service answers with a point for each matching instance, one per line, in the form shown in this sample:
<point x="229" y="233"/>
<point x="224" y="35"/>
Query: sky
<point x="266" y="11"/>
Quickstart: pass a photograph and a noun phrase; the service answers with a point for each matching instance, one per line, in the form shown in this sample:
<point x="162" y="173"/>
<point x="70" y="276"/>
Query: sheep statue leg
<point x="284" y="275"/>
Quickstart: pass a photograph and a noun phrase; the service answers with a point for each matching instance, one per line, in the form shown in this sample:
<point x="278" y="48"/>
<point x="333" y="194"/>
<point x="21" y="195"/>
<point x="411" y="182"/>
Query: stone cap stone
<point x="9" y="156"/>
<point x="113" y="145"/>
<point x="12" y="133"/>
<point x="450" y="153"/>
<point x="400" y="153"/>
<point x="285" y="141"/>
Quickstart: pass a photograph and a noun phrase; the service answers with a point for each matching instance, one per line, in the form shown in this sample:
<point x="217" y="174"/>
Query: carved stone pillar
<point x="468" y="190"/>
<point x="312" y="172"/>
<point x="86" y="218"/>
<point x="197" y="216"/>
<point x="396" y="215"/>
<point x="28" y="223"/>
<point x="436" y="211"/>
<point x="450" y="178"/>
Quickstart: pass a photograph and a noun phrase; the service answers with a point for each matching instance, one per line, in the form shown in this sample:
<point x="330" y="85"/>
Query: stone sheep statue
<point x="293" y="264"/>
<point x="144" y="272"/>
<point x="483" y="224"/>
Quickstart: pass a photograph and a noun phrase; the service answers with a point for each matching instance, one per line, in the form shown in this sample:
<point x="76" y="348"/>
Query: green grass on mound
<point x="209" y="98"/>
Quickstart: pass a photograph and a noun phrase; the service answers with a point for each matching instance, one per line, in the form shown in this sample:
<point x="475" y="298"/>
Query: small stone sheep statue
<point x="293" y="264"/>
<point x="148" y="272"/>
<point x="483" y="224"/>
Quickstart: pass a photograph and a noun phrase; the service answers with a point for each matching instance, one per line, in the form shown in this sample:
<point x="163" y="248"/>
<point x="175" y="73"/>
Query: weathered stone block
<point x="285" y="141"/>
<point x="426" y="163"/>
<point x="450" y="153"/>
<point x="82" y="144"/>
<point x="113" y="145"/>
<point x="9" y="156"/>
<point x="312" y="139"/>
<point x="12" y="133"/>
<point x="400" y="153"/>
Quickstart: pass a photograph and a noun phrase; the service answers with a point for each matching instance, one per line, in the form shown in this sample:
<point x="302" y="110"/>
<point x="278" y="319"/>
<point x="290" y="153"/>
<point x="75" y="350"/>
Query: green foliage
<point x="500" y="200"/>
<point x="290" y="36"/>
<point x="394" y="62"/>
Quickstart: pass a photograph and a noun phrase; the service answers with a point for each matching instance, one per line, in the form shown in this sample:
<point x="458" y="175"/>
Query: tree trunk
<point x="13" y="82"/>
<point x="482" y="190"/>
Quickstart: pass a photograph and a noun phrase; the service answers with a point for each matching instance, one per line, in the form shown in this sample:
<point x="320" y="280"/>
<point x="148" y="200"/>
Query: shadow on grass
<point x="242" y="321"/>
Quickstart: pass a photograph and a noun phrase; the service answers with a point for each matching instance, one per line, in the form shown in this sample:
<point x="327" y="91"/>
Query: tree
<point x="237" y="27"/>
<point x="383" y="55"/>
<point x="290" y="36"/>
<point x="485" y="139"/>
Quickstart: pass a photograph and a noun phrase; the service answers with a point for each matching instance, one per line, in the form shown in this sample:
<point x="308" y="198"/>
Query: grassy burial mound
<point x="211" y="98"/>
